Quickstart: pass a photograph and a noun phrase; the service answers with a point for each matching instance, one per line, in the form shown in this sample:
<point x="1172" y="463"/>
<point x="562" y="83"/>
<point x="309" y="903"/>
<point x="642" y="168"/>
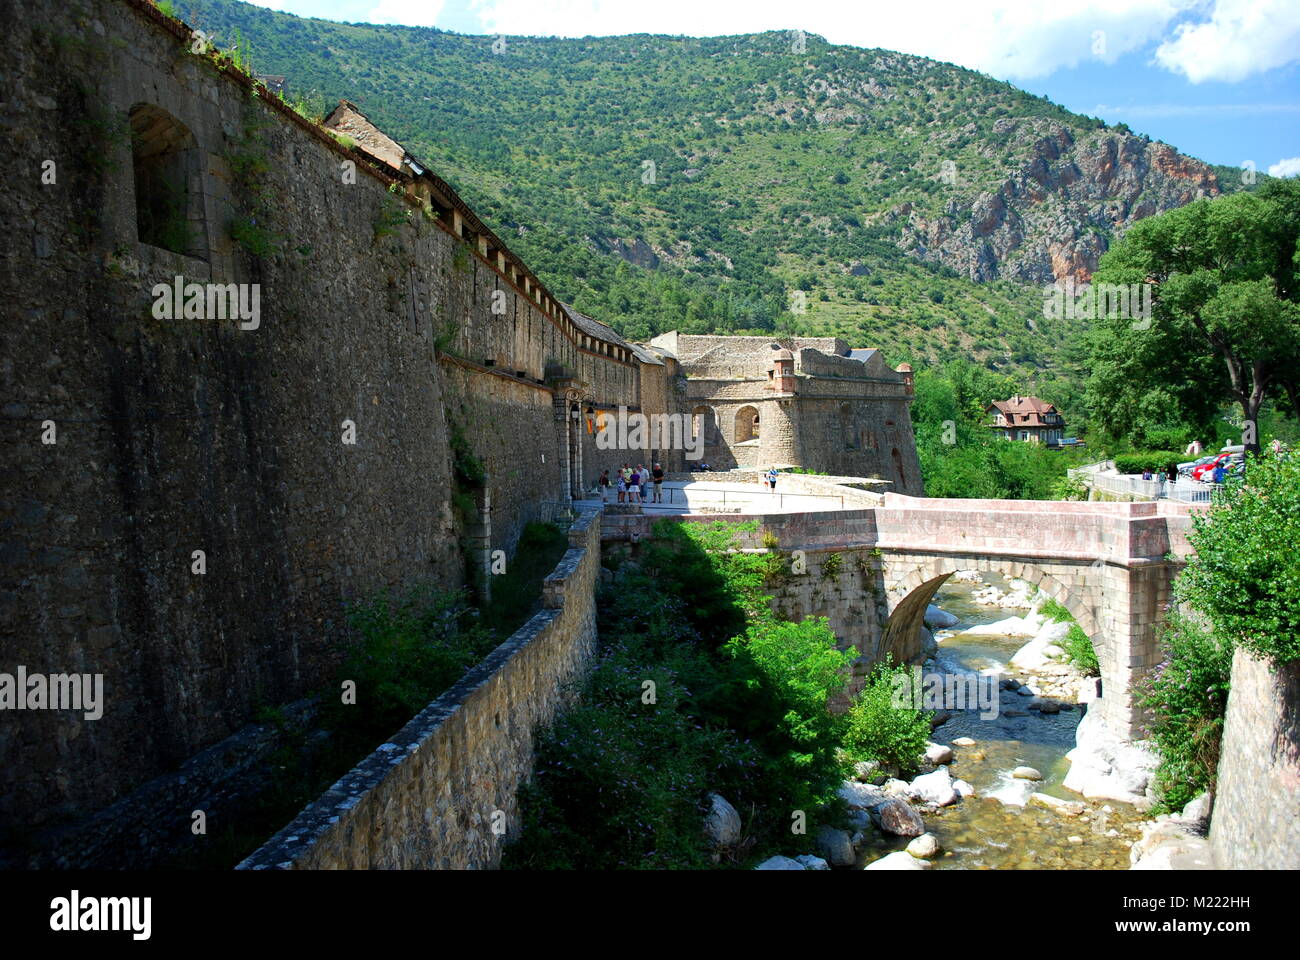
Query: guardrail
<point x="1185" y="490"/>
<point x="723" y="499"/>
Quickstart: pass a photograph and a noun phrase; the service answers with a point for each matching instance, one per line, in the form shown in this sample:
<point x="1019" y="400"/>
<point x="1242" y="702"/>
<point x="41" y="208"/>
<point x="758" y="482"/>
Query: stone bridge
<point x="1110" y="564"/>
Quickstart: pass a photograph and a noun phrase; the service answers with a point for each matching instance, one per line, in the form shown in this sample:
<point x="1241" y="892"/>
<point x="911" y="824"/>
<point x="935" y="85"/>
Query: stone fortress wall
<point x="376" y="323"/>
<point x="826" y="407"/>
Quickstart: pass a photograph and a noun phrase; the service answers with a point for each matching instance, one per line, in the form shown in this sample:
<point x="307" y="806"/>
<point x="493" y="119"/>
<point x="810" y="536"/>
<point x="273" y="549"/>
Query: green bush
<point x="1080" y="651"/>
<point x="1187" y="694"/>
<point x="1143" y="459"/>
<point x="411" y="647"/>
<point x="1245" y="575"/>
<point x="881" y="726"/>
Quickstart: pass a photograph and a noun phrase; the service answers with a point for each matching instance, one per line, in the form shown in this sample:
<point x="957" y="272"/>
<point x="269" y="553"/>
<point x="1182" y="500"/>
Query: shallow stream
<point x="998" y="828"/>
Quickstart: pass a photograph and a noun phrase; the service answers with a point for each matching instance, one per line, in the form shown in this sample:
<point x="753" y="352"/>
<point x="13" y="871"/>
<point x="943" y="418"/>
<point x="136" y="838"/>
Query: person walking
<point x="1219" y="473"/>
<point x="603" y="483"/>
<point x="658" y="476"/>
<point x="771" y="479"/>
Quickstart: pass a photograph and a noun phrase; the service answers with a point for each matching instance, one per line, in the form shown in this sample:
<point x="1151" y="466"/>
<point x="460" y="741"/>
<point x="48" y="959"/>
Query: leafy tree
<point x="1225" y="323"/>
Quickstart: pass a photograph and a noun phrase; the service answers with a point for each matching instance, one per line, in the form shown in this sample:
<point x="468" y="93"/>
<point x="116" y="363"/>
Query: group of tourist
<point x="631" y="484"/>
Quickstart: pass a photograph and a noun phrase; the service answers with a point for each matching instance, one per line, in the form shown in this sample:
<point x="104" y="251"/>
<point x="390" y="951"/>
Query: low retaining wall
<point x="441" y="794"/>
<point x="1256" y="822"/>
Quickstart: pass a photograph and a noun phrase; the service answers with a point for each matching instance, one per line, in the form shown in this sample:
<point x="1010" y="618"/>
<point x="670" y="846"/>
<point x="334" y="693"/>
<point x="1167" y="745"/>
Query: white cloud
<point x="1192" y="109"/>
<point x="1288" y="167"/>
<point x="1012" y="39"/>
<point x="1241" y="38"/>
<point x="412" y="13"/>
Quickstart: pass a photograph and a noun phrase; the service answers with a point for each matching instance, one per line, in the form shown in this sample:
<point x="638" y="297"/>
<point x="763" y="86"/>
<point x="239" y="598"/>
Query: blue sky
<point x="1219" y="79"/>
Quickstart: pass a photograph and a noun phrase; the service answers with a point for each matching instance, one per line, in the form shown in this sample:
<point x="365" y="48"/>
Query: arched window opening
<point x="167" y="167"/>
<point x="746" y="424"/>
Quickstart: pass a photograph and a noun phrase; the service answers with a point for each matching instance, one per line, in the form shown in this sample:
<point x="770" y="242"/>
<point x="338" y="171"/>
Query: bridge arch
<point x="911" y="583"/>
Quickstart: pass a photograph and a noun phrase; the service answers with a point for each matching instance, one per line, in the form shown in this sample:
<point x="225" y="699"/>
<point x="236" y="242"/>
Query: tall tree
<point x="1224" y="324"/>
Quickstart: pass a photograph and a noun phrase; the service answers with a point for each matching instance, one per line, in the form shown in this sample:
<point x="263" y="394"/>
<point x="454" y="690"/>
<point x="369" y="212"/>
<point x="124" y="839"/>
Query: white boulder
<point x="812" y="863"/>
<point x="935" y="788"/>
<point x="900" y="860"/>
<point x="722" y="824"/>
<point x="924" y="847"/>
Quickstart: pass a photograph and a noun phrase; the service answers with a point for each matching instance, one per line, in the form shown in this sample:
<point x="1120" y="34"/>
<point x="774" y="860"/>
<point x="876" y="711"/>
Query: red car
<point x="1205" y="472"/>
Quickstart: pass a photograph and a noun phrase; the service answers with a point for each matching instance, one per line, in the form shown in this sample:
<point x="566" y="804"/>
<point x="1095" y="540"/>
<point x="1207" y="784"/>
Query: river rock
<point x="1070" y="808"/>
<point x="1050" y="707"/>
<point x="868" y="771"/>
<point x="938" y="753"/>
<point x="722" y="825"/>
<point x="937" y="619"/>
<point x="1014" y="713"/>
<point x="1105" y="765"/>
<point x="1025" y="690"/>
<point x="1010" y="627"/>
<point x="935" y="788"/>
<point x="929" y="646"/>
<point x="813" y="863"/>
<point x="834" y="845"/>
<point x="1197" y="812"/>
<point x="899" y="860"/>
<point x="780" y="863"/>
<point x="963" y="742"/>
<point x="862" y="796"/>
<point x="963" y="789"/>
<point x="896" y="816"/>
<point x="924" y="847"/>
<point x="1036" y="654"/>
<point x="897" y="788"/>
<point x="1170" y="845"/>
<point x="940" y="718"/>
<point x="1026" y="773"/>
<point x="1008" y="683"/>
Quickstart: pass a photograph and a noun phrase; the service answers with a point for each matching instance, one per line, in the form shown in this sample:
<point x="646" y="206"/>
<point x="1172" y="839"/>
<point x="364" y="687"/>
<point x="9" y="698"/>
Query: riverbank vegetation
<point x="697" y="687"/>
<point x="1240" y="590"/>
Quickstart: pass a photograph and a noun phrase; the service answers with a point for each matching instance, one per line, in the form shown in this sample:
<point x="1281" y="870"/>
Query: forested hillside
<point x="757" y="182"/>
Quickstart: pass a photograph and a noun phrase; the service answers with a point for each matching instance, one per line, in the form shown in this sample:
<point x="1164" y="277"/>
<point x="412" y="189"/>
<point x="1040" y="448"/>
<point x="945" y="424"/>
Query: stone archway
<point x="747" y="424"/>
<point x="912" y="582"/>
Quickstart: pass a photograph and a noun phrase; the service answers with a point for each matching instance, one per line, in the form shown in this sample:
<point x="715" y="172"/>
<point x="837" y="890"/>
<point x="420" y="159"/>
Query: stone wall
<point x="180" y="435"/>
<point x="441" y="794"/>
<point x="1256" y="820"/>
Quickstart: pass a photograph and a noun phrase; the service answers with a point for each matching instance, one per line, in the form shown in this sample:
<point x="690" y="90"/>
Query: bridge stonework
<point x="1110" y="564"/>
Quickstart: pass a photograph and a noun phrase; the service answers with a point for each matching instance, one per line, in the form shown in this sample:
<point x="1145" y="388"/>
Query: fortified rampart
<point x="189" y="501"/>
<point x="441" y="793"/>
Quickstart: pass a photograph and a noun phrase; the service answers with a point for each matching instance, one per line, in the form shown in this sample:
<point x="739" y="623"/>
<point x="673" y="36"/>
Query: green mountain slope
<point x="732" y="184"/>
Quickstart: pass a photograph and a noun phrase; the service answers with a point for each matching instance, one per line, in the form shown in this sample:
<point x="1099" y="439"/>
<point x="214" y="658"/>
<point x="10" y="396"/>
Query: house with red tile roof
<point x="1027" y="419"/>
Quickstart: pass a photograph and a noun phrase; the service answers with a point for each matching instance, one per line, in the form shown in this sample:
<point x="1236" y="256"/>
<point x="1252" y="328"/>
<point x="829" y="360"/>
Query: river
<point x="998" y="829"/>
